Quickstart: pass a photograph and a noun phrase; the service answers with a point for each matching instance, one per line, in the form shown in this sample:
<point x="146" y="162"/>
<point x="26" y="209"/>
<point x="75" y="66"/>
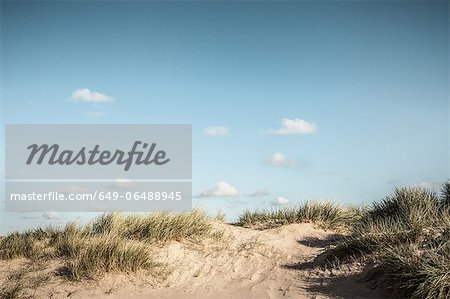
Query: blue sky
<point x="362" y="88"/>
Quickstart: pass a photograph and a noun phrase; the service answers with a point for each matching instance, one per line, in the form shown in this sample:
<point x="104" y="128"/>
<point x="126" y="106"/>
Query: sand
<point x="244" y="263"/>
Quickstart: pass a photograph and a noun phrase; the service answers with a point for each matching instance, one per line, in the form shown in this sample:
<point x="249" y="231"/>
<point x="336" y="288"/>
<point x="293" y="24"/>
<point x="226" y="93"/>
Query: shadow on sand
<point x="321" y="243"/>
<point x="347" y="281"/>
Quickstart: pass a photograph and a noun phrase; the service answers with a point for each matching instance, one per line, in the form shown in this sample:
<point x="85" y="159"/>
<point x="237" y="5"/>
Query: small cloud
<point x="257" y="194"/>
<point x="280" y="160"/>
<point x="50" y="215"/>
<point x="91" y="96"/>
<point x="222" y="189"/>
<point x="216" y="131"/>
<point x="294" y="126"/>
<point x="280" y="201"/>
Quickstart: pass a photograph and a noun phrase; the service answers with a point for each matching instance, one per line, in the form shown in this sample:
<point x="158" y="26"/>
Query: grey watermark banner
<point x="98" y="168"/>
<point x="119" y="196"/>
<point x="81" y="152"/>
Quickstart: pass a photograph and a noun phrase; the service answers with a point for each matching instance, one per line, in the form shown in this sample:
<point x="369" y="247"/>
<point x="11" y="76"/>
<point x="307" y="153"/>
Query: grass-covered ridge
<point x="110" y="242"/>
<point x="326" y="215"/>
<point x="406" y="235"/>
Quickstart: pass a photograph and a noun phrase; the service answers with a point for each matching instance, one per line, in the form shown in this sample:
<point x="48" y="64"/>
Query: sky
<point x="288" y="101"/>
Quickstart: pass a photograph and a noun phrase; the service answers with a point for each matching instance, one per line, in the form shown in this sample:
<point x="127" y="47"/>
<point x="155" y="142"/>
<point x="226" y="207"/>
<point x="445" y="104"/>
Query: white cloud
<point x="279" y="201"/>
<point x="50" y="215"/>
<point x="260" y="193"/>
<point x="280" y="160"/>
<point x="216" y="131"/>
<point x="91" y="96"/>
<point x="294" y="126"/>
<point x="222" y="189"/>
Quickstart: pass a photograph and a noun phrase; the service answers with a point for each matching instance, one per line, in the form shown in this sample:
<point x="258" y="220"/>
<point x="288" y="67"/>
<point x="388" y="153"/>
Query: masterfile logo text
<point x="148" y="152"/>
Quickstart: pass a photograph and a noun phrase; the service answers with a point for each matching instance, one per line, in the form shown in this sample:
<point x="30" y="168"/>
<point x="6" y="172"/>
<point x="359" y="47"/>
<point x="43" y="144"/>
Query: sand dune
<point x="243" y="263"/>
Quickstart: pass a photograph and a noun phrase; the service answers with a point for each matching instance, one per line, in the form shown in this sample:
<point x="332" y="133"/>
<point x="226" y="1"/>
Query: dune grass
<point x="407" y="235"/>
<point x="110" y="242"/>
<point x="323" y="214"/>
<point x="108" y="253"/>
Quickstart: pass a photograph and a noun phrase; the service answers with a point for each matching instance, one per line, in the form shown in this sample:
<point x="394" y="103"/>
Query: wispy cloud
<point x="90" y="96"/>
<point x="279" y="201"/>
<point x="221" y="189"/>
<point x="216" y="131"/>
<point x="294" y="126"/>
<point x="260" y="193"/>
<point x="280" y="160"/>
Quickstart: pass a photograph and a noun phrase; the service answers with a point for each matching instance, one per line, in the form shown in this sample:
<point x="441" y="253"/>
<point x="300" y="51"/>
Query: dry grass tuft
<point x="408" y="235"/>
<point x="110" y="242"/>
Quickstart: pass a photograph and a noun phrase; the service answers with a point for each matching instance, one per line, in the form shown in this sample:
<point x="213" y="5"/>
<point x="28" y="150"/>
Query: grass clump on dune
<point x="157" y="227"/>
<point x="407" y="235"/>
<point x="322" y="214"/>
<point x="32" y="244"/>
<point x="108" y="253"/>
<point x="416" y="271"/>
<point x="445" y="196"/>
<point x="110" y="242"/>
